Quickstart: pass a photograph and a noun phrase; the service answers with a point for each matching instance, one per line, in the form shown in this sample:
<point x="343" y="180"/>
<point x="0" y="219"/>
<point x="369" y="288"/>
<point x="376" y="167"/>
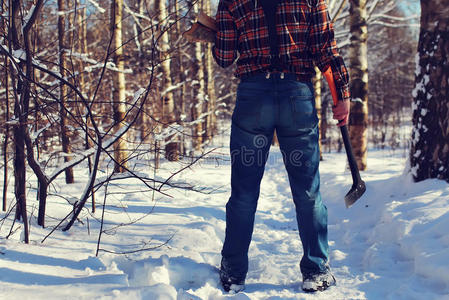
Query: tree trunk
<point x="317" y="87"/>
<point x="168" y="104"/>
<point x="21" y="106"/>
<point x="180" y="102"/>
<point x="358" y="65"/>
<point x="83" y="46"/>
<point x="66" y="149"/>
<point x="3" y="8"/>
<point x="82" y="49"/>
<point x="323" y="121"/>
<point x="118" y="90"/>
<point x="19" y="175"/>
<point x="42" y="183"/>
<point x="199" y="92"/>
<point x="138" y="29"/>
<point x="210" y="120"/>
<point x="144" y="127"/>
<point x="6" y="138"/>
<point x="429" y="155"/>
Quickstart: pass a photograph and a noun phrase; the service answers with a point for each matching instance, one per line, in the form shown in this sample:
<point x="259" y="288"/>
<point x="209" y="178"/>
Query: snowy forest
<point x="115" y="165"/>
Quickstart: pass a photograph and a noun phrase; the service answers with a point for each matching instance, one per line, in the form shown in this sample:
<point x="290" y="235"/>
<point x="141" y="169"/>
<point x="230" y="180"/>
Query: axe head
<point x="356" y="191"/>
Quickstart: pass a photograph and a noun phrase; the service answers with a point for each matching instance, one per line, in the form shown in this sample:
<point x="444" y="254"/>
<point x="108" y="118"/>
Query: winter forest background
<point x="104" y="102"/>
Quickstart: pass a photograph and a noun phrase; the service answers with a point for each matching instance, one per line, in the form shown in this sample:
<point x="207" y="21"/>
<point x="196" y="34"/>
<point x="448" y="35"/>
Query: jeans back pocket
<point x="246" y="113"/>
<point x="303" y="111"/>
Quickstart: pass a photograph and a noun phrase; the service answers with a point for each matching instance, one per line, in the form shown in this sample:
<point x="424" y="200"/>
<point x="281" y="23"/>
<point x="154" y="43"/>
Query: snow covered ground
<point x="392" y="244"/>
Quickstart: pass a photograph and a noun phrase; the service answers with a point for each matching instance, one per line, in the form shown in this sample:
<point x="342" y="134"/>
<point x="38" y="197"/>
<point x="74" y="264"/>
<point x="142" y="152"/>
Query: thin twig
<point x="138" y="250"/>
<point x="102" y="217"/>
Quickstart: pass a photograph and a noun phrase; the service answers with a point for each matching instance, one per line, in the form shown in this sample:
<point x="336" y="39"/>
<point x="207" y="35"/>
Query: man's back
<point x="304" y="34"/>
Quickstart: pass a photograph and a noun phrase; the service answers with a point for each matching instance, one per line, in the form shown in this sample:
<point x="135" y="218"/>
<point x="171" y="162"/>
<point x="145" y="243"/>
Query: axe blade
<point x="355" y="193"/>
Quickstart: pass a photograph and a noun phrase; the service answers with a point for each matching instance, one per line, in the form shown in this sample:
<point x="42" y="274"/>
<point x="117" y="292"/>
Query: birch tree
<point x="358" y="65"/>
<point x="429" y="155"/>
<point x="199" y="92"/>
<point x="210" y="119"/>
<point x="181" y="76"/>
<point x="118" y="82"/>
<point x="168" y="103"/>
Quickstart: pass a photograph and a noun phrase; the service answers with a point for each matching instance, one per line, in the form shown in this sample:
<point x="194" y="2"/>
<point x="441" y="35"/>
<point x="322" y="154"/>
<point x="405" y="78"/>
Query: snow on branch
<point x="170" y="131"/>
<point x="34" y="135"/>
<point x="394" y="25"/>
<point x="66" y="12"/>
<point x="138" y="94"/>
<point x="171" y="88"/>
<point x="109" y="65"/>
<point x="19" y="54"/>
<point x="97" y="6"/>
<point x="76" y="159"/>
<point x="108" y="143"/>
<point x="28" y="16"/>
<point x="136" y="16"/>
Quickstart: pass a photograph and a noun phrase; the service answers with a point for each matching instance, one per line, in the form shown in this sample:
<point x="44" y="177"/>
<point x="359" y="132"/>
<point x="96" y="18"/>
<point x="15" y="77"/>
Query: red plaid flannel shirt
<point x="305" y="34"/>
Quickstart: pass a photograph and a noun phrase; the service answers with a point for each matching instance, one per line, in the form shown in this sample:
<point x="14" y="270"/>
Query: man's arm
<point x="340" y="108"/>
<point x="324" y="49"/>
<point x="226" y="38"/>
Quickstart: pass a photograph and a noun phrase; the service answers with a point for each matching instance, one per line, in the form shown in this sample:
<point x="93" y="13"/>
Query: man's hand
<point x="341" y="112"/>
<point x="340" y="108"/>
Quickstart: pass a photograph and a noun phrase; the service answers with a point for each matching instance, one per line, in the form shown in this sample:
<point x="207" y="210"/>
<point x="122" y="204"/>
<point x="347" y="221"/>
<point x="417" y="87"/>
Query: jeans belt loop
<point x="268" y="75"/>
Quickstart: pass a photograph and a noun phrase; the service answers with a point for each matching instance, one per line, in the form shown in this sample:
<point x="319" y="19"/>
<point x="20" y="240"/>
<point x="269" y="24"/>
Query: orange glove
<point x="340" y="108"/>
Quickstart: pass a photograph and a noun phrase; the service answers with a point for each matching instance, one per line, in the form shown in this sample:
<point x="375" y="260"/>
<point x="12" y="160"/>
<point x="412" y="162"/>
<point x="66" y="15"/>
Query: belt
<point x="267" y="74"/>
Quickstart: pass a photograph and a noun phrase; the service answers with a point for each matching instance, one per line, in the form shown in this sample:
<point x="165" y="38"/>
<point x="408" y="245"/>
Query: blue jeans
<point x="262" y="106"/>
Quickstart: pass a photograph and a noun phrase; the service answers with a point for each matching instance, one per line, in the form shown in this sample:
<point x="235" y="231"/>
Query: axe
<point x="358" y="185"/>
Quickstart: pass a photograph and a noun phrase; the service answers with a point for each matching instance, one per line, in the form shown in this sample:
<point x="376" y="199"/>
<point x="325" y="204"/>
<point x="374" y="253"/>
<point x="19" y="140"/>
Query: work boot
<point x="317" y="282"/>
